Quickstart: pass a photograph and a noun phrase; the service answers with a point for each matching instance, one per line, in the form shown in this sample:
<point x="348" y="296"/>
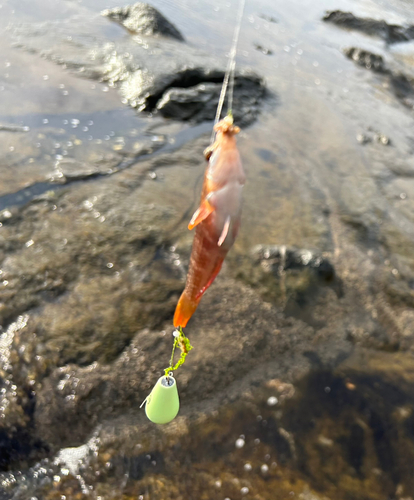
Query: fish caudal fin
<point x="202" y="212"/>
<point x="184" y="310"/>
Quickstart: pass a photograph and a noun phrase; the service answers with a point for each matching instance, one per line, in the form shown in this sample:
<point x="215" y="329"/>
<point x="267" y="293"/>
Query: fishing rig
<point x="162" y="404"/>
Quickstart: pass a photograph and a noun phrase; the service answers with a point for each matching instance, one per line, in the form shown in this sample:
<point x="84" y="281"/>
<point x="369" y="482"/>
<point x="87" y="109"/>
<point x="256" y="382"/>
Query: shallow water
<point x="94" y="259"/>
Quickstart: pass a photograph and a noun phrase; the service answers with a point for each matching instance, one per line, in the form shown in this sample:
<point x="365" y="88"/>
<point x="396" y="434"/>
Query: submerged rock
<point x="286" y="275"/>
<point x="391" y="33"/>
<point x="143" y="19"/>
<point x="402" y="85"/>
<point x="366" y="59"/>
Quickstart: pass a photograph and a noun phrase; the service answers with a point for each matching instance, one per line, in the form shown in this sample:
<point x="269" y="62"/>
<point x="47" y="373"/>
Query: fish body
<point x="217" y="219"/>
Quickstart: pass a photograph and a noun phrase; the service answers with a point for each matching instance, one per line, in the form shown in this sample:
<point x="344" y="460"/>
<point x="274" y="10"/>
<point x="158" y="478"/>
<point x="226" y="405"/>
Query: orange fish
<point x="217" y="219"/>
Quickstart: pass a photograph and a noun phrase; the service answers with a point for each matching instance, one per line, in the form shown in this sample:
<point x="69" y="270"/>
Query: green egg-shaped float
<point x="163" y="403"/>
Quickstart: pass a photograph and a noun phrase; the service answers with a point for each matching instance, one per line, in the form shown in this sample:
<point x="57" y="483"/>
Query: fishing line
<point x="230" y="70"/>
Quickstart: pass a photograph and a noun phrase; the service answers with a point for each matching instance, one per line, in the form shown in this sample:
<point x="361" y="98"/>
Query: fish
<point x="217" y="219"/>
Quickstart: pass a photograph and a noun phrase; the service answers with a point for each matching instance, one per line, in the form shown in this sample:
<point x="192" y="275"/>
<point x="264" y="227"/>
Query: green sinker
<point x="163" y="403"/>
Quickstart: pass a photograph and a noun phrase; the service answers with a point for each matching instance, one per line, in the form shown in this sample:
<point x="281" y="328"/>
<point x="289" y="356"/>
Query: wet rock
<point x="363" y="139"/>
<point x="5" y="127"/>
<point x="155" y="75"/>
<point x="327" y="423"/>
<point x="391" y="33"/>
<point x="402" y="85"/>
<point x="264" y="50"/>
<point x="269" y="19"/>
<point x="366" y="59"/>
<point x="143" y="19"/>
<point x="199" y="103"/>
<point x="284" y="274"/>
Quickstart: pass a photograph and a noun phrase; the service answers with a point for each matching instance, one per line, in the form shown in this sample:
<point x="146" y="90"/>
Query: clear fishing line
<point x="230" y="70"/>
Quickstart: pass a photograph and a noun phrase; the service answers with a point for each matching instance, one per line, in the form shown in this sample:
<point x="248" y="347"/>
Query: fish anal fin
<point x="202" y="212"/>
<point x="225" y="231"/>
<point x="210" y="281"/>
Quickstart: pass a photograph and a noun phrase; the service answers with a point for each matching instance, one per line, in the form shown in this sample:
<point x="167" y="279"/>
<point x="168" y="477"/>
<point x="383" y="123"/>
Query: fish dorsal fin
<point x="225" y="231"/>
<point x="202" y="212"/>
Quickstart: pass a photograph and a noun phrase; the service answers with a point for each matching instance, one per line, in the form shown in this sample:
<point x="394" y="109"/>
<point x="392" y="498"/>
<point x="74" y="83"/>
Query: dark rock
<point x="366" y="59"/>
<point x="391" y="33"/>
<point x="269" y="19"/>
<point x="264" y="50"/>
<point x="273" y="264"/>
<point x="199" y="103"/>
<point x="402" y="85"/>
<point x="5" y="127"/>
<point x="143" y="19"/>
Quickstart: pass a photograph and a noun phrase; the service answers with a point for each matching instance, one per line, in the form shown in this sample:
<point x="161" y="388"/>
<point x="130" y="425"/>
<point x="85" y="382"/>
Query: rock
<point x="264" y="50"/>
<point x="143" y="19"/>
<point x="402" y="85"/>
<point x="283" y="274"/>
<point x="199" y="103"/>
<point x="366" y="59"/>
<point x="158" y="75"/>
<point x="391" y="33"/>
<point x="5" y="127"/>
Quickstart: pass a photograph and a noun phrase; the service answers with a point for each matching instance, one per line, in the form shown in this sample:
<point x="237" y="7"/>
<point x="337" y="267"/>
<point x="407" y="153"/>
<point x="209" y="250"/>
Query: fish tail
<point x="184" y="310"/>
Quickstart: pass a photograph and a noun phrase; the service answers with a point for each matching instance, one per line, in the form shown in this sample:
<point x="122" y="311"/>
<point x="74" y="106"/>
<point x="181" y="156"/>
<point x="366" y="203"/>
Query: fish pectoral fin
<point x="202" y="212"/>
<point x="225" y="231"/>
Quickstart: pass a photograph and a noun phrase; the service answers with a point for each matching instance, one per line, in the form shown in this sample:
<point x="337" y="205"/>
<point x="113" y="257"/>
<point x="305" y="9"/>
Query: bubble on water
<point x="107" y="138"/>
<point x="11" y="148"/>
<point x="45" y="121"/>
<point x="65" y="92"/>
<point x="65" y="122"/>
<point x="264" y="469"/>
<point x="45" y="77"/>
<point x="240" y="443"/>
<point x="257" y="441"/>
<point x="247" y="467"/>
<point x="105" y="89"/>
<point x="286" y="48"/>
<point x="315" y="63"/>
<point x="272" y="401"/>
<point x="327" y="390"/>
<point x="109" y="265"/>
<point x="62" y="86"/>
<point x="299" y="52"/>
<point x="85" y="129"/>
<point x="317" y="81"/>
<point x="90" y="123"/>
<point x="244" y="490"/>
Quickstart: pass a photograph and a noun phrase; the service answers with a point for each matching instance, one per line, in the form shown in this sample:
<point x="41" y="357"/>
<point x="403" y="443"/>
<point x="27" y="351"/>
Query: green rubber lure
<point x="163" y="403"/>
